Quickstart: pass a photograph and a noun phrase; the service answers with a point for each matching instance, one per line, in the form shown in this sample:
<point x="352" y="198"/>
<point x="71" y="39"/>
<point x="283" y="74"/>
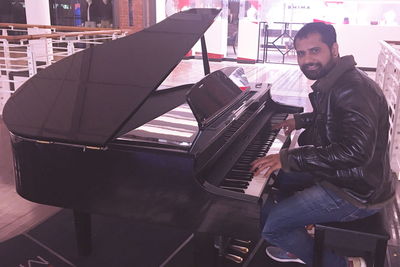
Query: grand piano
<point x="96" y="133"/>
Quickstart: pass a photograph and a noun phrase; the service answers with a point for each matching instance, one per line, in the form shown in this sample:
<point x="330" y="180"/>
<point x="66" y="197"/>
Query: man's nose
<point x="307" y="58"/>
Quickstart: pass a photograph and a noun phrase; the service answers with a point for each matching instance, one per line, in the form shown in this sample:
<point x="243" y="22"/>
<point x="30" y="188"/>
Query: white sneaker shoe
<point x="356" y="262"/>
<point x="280" y="255"/>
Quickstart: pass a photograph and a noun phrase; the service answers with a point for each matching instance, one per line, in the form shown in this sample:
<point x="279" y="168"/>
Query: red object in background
<point x="188" y="54"/>
<point x="319" y="20"/>
<point x="183" y="3"/>
<point x="254" y="3"/>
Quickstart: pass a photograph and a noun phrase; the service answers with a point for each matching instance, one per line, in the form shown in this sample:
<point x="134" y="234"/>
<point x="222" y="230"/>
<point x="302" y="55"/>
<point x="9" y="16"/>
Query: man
<point x="340" y="171"/>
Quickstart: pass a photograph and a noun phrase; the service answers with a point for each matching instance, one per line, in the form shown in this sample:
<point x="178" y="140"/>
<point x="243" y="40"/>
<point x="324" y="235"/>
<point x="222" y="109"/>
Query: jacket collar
<point x="343" y="65"/>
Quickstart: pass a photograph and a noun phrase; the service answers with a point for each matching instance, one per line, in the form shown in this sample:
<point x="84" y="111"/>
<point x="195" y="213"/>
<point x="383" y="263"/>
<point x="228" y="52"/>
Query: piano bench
<point x="365" y="238"/>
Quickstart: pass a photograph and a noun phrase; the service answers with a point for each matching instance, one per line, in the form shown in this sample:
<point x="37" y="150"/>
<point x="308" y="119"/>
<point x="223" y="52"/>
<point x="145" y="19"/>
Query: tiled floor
<point x="288" y="86"/>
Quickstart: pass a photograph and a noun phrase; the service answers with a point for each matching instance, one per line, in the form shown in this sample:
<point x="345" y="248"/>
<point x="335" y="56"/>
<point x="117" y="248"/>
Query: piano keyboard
<point x="239" y="178"/>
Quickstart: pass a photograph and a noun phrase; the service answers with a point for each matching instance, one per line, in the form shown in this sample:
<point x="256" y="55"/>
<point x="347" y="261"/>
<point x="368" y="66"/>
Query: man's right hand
<point x="287" y="125"/>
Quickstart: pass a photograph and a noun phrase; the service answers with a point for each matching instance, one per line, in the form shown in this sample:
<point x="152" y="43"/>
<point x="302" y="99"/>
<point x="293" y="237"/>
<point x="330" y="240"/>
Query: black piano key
<point x="240" y="173"/>
<point x="248" y="175"/>
<point x="240" y="168"/>
<point x="243" y="170"/>
<point x="236" y="184"/>
<point x="236" y="180"/>
<point x="239" y="178"/>
<point x="233" y="189"/>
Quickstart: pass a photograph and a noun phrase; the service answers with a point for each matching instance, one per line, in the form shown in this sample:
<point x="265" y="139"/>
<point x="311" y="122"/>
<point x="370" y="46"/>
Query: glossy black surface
<point x="210" y="96"/>
<point x="88" y="97"/>
<point x="151" y="184"/>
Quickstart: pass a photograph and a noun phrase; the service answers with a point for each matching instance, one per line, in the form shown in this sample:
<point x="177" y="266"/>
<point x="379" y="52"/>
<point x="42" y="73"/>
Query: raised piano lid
<point x="87" y="98"/>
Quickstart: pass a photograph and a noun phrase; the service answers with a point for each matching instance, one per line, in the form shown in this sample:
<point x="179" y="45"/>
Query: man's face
<point x="315" y="58"/>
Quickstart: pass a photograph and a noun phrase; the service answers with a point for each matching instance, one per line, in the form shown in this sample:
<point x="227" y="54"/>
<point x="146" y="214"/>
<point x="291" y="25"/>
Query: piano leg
<point x="204" y="251"/>
<point x="221" y="243"/>
<point x="83" y="232"/>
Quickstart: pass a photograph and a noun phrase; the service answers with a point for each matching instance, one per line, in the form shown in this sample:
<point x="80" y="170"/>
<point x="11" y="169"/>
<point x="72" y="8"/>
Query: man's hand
<point x="287" y="125"/>
<point x="271" y="163"/>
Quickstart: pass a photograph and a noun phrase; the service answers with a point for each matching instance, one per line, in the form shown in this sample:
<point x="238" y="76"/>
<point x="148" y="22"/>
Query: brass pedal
<point x="234" y="258"/>
<point x="240" y="249"/>
<point x="243" y="241"/>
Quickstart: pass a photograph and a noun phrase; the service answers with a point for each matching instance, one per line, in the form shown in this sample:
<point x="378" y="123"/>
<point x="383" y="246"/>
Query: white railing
<point x="22" y="55"/>
<point x="388" y="78"/>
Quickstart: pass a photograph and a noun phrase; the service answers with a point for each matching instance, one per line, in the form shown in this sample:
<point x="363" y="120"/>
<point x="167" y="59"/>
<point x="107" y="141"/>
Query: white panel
<point x="248" y="39"/>
<point x="362" y="41"/>
<point x="37" y="12"/>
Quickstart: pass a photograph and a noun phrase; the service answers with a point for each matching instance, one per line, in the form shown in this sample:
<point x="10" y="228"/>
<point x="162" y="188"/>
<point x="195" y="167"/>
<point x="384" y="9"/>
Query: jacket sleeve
<point x="351" y="128"/>
<point x="303" y="120"/>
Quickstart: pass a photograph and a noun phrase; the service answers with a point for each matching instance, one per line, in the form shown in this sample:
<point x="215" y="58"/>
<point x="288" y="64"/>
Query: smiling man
<point x="340" y="171"/>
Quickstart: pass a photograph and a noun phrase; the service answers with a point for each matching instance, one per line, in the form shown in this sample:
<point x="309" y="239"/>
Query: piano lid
<point x="87" y="97"/>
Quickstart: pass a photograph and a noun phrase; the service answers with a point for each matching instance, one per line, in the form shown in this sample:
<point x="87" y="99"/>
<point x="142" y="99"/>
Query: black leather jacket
<point x="345" y="141"/>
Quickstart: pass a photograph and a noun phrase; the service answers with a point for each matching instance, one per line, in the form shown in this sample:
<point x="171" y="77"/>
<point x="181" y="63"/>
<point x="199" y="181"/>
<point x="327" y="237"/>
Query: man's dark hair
<point x="327" y="32"/>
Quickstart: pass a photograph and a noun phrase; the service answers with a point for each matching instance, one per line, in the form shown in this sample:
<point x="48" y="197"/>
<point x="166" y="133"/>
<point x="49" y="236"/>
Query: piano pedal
<point x="234" y="258"/>
<point x="241" y="249"/>
<point x="242" y="241"/>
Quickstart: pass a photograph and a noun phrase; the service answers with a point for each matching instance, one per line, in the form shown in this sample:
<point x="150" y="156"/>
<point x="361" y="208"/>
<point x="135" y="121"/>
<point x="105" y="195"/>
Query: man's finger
<point x="270" y="171"/>
<point x="259" y="161"/>
<point x="260" y="168"/>
<point x="277" y="126"/>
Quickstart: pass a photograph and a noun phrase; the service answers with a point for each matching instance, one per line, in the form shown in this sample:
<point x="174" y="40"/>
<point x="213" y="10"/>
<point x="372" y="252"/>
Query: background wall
<point x="130" y="14"/>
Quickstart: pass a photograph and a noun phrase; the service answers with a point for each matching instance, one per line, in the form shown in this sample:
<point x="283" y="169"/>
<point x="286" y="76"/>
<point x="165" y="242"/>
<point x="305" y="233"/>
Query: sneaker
<point x="280" y="255"/>
<point x="356" y="262"/>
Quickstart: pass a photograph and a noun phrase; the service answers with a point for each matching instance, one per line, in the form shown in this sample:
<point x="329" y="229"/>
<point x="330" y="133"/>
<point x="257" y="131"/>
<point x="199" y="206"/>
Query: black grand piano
<point x="96" y="133"/>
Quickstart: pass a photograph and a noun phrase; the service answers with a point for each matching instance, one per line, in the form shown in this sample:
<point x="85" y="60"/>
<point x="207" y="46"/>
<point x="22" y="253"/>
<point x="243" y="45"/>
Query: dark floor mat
<point x="125" y="243"/>
<point x="116" y="242"/>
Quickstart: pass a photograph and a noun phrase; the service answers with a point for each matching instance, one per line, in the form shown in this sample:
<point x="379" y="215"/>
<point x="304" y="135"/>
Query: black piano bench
<point x="365" y="238"/>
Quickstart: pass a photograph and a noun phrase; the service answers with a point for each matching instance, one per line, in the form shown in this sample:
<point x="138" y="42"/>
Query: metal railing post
<point x="32" y="69"/>
<point x="70" y="47"/>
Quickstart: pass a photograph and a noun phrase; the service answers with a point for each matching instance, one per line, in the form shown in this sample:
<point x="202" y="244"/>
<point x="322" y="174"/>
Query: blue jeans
<point x="284" y="222"/>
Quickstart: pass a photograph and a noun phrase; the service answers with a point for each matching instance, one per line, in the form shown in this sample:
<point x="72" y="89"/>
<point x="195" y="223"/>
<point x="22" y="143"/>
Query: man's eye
<point x="315" y="50"/>
<point x="300" y="53"/>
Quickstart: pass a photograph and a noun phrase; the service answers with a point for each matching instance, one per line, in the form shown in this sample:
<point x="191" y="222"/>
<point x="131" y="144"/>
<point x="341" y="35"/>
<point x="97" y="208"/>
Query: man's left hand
<point x="271" y="163"/>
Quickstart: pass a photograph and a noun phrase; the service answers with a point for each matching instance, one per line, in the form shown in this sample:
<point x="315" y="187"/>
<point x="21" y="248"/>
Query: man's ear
<point x="335" y="50"/>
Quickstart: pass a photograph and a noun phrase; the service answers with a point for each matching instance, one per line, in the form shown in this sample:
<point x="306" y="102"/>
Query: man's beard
<point x="318" y="70"/>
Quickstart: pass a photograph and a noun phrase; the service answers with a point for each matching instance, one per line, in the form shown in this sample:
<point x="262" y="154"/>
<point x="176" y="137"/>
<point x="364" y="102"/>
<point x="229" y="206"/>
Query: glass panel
<point x="88" y="13"/>
<point x="12" y="11"/>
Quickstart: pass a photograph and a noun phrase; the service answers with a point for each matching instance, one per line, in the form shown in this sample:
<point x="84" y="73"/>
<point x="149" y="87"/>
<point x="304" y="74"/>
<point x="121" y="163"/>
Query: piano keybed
<point x="267" y="141"/>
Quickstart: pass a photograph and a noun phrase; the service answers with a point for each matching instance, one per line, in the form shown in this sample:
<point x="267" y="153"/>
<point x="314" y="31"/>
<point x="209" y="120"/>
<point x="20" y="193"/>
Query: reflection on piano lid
<point x="97" y="94"/>
<point x="176" y="127"/>
<point x="237" y="76"/>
